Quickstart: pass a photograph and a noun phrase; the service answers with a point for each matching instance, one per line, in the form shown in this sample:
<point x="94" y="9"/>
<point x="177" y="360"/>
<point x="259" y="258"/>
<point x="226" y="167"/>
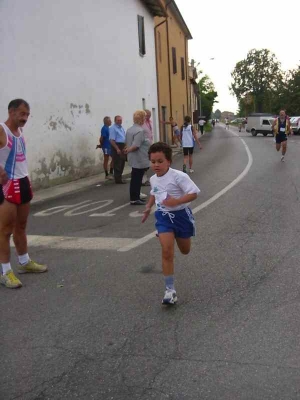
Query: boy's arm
<point x="149" y="205"/>
<point x="172" y="202"/>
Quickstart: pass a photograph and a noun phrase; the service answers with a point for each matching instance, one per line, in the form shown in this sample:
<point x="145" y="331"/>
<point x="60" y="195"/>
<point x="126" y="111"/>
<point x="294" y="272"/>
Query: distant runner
<point x="282" y="128"/>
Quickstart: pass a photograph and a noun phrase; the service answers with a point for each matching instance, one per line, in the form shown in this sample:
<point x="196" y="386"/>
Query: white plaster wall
<point x="74" y="61"/>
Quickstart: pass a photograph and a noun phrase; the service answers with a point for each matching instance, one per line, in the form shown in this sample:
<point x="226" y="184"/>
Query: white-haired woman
<point x="137" y="146"/>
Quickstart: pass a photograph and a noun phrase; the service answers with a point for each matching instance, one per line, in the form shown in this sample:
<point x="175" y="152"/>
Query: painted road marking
<point x="72" y="212"/>
<point x="151" y="235"/>
<point x="77" y="243"/>
<point x="109" y="213"/>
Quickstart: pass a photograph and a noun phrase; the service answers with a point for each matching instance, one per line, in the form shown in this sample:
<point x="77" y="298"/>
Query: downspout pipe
<point x="165" y="21"/>
<point x="157" y="80"/>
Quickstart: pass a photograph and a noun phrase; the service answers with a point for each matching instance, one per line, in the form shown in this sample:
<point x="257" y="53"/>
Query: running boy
<point x="171" y="191"/>
<point x="188" y="139"/>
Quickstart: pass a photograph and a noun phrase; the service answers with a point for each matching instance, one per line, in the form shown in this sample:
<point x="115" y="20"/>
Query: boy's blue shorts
<point x="180" y="222"/>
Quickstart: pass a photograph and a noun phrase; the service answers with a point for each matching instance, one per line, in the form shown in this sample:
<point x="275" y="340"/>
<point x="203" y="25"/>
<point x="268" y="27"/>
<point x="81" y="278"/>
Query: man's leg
<point x="284" y="147"/>
<point x="111" y="165"/>
<point x="19" y="233"/>
<point x="20" y="240"/>
<point x="8" y="216"/>
<point x="122" y="158"/>
<point x="136" y="183"/>
<point x="116" y="161"/>
<point x="105" y="163"/>
<point x="278" y="146"/>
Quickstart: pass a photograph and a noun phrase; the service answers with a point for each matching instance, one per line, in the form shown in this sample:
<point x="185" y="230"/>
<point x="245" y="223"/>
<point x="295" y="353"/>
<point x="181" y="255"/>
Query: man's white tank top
<point x="187" y="136"/>
<point x="13" y="155"/>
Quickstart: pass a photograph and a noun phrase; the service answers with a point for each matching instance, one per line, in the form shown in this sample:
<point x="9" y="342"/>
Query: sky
<point x="227" y="30"/>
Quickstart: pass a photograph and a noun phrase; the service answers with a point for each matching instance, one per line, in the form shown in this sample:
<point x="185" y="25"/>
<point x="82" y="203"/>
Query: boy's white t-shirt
<point x="173" y="184"/>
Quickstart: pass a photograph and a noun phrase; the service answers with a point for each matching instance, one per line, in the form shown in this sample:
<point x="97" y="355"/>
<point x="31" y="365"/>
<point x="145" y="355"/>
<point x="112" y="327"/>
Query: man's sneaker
<point x="147" y="183"/>
<point x="170" y="297"/>
<point x="282" y="158"/>
<point x="143" y="196"/>
<point x="10" y="280"/>
<point x="107" y="177"/>
<point x="191" y="170"/>
<point x="138" y="203"/>
<point x="32" y="267"/>
<point x="184" y="168"/>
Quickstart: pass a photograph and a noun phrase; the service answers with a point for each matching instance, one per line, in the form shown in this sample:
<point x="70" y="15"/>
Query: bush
<point x="208" y="127"/>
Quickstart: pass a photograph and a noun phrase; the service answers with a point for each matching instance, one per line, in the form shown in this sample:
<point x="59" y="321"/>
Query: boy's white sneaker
<point x="282" y="158"/>
<point x="170" y="296"/>
<point x="191" y="170"/>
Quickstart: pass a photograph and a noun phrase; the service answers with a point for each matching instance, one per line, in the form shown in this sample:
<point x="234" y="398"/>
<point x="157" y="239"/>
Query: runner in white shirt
<point x="227" y="123"/>
<point x="201" y="125"/>
<point x="188" y="139"/>
<point x="172" y="191"/>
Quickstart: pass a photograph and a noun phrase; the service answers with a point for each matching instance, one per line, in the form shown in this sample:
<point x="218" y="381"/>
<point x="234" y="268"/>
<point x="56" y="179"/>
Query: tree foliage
<point x="208" y="95"/>
<point x="217" y="114"/>
<point x="256" y="79"/>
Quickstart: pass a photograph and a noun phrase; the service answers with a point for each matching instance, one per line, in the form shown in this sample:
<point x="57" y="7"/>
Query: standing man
<point x="117" y="141"/>
<point x="15" y="194"/>
<point x="201" y="125"/>
<point x="106" y="147"/>
<point x="137" y="146"/>
<point x="149" y="135"/>
<point x="282" y="128"/>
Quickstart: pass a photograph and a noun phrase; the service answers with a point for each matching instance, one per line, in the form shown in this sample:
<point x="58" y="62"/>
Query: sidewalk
<point x="67" y="188"/>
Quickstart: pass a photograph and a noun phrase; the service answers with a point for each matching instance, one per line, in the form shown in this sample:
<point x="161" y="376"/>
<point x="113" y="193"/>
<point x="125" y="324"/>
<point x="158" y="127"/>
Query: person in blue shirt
<point x="117" y="141"/>
<point x="106" y="148"/>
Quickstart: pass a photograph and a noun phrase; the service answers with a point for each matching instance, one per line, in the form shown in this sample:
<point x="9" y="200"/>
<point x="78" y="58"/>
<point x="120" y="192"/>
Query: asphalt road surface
<point x="93" y="327"/>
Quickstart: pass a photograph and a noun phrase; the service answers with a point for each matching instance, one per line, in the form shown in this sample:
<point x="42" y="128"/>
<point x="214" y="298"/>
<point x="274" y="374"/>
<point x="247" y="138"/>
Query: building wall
<point x="74" y="62"/>
<point x="180" y="89"/>
<point x="176" y="99"/>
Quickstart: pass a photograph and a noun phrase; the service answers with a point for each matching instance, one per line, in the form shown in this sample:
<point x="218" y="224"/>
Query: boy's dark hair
<point x="161" y="147"/>
<point x="16" y="104"/>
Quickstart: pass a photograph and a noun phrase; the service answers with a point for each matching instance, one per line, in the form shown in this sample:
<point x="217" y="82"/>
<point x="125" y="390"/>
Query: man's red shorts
<point x="16" y="191"/>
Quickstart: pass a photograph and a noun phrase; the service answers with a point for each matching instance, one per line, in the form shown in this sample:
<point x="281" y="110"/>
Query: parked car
<point x="295" y="124"/>
<point x="260" y="123"/>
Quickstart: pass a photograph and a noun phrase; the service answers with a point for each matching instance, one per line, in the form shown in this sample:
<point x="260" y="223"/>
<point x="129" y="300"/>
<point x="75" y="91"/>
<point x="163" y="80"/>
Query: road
<point x="93" y="326"/>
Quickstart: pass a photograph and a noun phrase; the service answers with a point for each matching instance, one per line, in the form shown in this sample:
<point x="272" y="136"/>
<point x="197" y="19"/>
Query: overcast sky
<point x="227" y="30"/>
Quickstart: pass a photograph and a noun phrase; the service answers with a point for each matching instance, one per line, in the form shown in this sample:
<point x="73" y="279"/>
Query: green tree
<point x="259" y="76"/>
<point x="288" y="94"/>
<point x="208" y="96"/>
<point x="218" y="114"/>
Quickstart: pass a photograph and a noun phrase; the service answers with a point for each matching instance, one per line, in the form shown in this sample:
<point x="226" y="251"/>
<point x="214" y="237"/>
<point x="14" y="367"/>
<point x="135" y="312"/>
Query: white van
<point x="260" y="123"/>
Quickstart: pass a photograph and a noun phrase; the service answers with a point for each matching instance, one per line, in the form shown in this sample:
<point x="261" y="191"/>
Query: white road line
<point x="78" y="243"/>
<point x="110" y="213"/>
<point x="146" y="238"/>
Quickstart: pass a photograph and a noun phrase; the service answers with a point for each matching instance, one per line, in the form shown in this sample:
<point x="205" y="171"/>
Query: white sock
<point x="24" y="259"/>
<point x="5" y="268"/>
